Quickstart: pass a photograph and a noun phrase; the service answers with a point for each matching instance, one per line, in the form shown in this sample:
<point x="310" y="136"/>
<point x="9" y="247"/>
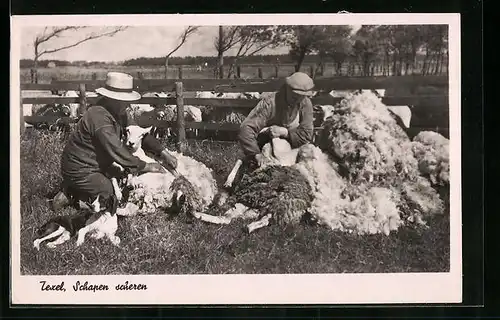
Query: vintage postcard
<point x="235" y="159"/>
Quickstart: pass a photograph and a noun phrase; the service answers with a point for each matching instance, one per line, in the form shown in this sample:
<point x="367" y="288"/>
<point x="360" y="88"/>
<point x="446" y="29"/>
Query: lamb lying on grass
<point x="153" y="191"/>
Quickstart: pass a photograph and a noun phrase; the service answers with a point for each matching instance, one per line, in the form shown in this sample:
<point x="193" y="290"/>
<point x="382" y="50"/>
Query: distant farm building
<point x="51" y="64"/>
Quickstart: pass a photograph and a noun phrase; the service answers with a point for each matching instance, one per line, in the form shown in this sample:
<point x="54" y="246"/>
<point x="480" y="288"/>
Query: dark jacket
<point x="96" y="143"/>
<point x="274" y="110"/>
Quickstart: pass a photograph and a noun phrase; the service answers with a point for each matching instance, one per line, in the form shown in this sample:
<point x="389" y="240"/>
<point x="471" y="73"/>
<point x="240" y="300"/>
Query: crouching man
<point x="287" y="113"/>
<point x="96" y="143"/>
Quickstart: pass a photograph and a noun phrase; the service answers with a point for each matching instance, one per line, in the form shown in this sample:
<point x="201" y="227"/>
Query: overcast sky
<point x="135" y="42"/>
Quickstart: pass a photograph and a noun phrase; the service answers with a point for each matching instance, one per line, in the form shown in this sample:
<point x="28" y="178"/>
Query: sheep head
<point x="134" y="137"/>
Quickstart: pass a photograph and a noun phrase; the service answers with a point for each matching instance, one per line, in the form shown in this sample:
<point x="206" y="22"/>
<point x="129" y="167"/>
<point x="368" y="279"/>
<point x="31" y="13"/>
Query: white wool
<point x="326" y="183"/>
<point x="373" y="212"/>
<point x="152" y="190"/>
<point x="432" y="151"/>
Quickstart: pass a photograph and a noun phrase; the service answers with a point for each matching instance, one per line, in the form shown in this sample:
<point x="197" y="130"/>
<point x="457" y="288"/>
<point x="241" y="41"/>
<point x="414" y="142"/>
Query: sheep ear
<point x="147" y="130"/>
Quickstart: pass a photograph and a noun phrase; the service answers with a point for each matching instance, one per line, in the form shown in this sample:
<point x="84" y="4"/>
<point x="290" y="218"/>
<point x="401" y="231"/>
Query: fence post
<point x="276" y="70"/>
<point x="238" y="72"/>
<point x="221" y="72"/>
<point x="83" y="100"/>
<point x="21" y="111"/>
<point x="180" y="72"/>
<point x="181" y="132"/>
<point x="259" y="72"/>
<point x="311" y="71"/>
<point x="94" y="76"/>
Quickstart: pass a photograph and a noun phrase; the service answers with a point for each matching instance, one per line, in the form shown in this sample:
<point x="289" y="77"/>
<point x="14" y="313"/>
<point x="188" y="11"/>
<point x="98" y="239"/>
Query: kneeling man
<point x="96" y="143"/>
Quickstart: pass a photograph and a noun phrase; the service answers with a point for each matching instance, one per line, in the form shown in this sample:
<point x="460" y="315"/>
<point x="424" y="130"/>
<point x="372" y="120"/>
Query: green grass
<point x="156" y="245"/>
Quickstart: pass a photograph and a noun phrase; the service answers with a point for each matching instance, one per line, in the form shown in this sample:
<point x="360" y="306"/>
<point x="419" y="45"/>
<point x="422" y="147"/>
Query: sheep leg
<point x="116" y="188"/>
<point x="232" y="174"/>
<point x="236" y="212"/>
<point x="129" y="210"/>
<point x="56" y="233"/>
<point x="259" y="224"/>
<point x="212" y="219"/>
<point x="65" y="236"/>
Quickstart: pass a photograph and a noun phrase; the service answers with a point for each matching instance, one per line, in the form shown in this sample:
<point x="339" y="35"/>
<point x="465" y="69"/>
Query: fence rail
<point x="252" y="85"/>
<point x="180" y="87"/>
<point x="434" y="100"/>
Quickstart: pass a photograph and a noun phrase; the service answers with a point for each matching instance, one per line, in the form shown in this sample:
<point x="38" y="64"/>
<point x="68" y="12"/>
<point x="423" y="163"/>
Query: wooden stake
<point x="83" y="100"/>
<point x="181" y="131"/>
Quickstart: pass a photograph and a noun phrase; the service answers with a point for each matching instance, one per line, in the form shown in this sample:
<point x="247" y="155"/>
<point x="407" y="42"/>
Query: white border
<point x="250" y="289"/>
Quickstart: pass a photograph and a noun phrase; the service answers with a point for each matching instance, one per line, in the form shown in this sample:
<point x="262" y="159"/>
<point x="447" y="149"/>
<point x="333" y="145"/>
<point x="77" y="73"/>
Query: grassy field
<point x="149" y="72"/>
<point x="155" y="245"/>
<point x="45" y="75"/>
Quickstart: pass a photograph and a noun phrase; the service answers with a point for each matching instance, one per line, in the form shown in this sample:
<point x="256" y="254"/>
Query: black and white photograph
<point x="235" y="159"/>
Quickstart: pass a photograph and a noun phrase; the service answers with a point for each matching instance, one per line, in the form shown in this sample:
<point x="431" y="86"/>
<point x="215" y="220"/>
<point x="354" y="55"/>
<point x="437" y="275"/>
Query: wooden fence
<point x="182" y="86"/>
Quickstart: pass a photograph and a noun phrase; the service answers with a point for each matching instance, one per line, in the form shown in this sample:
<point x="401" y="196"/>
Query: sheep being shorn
<point x="152" y="191"/>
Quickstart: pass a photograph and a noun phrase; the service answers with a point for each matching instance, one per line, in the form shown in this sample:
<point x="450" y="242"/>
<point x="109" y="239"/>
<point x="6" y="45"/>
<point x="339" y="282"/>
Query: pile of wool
<point x="377" y="157"/>
<point x="432" y="151"/>
<point x="151" y="191"/>
<point x="373" y="212"/>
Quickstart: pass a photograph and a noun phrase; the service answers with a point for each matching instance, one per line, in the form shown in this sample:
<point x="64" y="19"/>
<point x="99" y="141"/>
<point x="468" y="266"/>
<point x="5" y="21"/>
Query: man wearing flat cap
<point x="288" y="113"/>
<point x="96" y="143"/>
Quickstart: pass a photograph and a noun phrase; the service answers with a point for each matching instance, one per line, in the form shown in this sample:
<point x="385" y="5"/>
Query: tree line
<point x="395" y="49"/>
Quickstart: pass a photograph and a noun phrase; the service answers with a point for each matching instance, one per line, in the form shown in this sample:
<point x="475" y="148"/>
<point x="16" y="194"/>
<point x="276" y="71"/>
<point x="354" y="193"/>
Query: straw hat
<point x="119" y="87"/>
<point x="301" y="83"/>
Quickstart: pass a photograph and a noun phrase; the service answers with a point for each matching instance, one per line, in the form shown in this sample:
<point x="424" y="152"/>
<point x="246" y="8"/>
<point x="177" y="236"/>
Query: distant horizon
<point x="159" y="57"/>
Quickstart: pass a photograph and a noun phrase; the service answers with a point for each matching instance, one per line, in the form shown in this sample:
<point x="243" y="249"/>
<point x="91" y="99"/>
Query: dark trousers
<point x="87" y="188"/>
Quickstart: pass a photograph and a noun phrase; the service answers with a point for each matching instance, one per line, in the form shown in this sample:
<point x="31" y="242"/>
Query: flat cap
<point x="300" y="83"/>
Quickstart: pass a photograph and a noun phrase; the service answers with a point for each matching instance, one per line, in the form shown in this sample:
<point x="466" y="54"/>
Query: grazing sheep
<point x="165" y="112"/>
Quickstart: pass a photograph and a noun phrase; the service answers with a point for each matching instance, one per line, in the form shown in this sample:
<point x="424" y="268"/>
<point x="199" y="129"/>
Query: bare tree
<point x="227" y="39"/>
<point x="188" y="31"/>
<point x="253" y="39"/>
<point x="56" y="32"/>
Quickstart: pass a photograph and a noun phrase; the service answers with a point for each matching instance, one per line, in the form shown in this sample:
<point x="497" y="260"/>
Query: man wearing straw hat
<point x="288" y="114"/>
<point x="97" y="142"/>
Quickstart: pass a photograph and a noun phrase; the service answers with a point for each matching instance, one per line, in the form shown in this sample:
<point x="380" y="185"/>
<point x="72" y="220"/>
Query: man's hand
<point x="259" y="159"/>
<point x="278" y="132"/>
<point x="154" y="167"/>
<point x="169" y="160"/>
